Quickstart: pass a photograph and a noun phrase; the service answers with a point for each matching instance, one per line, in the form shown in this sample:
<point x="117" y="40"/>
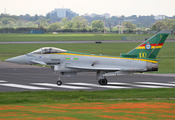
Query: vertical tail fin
<point x="149" y="48"/>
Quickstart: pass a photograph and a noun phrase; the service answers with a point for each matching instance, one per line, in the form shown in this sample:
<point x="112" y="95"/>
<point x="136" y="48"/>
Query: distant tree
<point x="68" y="25"/>
<point x="160" y="25"/>
<point x="174" y="17"/>
<point x="109" y="24"/>
<point x="31" y="18"/>
<point x="83" y="21"/>
<point x="30" y="24"/>
<point x="47" y="16"/>
<point x="36" y="17"/>
<point x="78" y="18"/>
<point x="43" y="21"/>
<point x="129" y="26"/>
<point x="1" y="24"/>
<point x="64" y="20"/>
<point x="55" y="18"/>
<point x="61" y="24"/>
<point x="154" y="27"/>
<point x="15" y="17"/>
<point x="53" y="27"/>
<point x="169" y="22"/>
<point x="27" y="17"/>
<point x="95" y="29"/>
<point x="19" y="24"/>
<point x="5" y="20"/>
<point x="11" y="24"/>
<point x="134" y="16"/>
<point x="97" y="24"/>
<point x="41" y="27"/>
<point x="172" y="26"/>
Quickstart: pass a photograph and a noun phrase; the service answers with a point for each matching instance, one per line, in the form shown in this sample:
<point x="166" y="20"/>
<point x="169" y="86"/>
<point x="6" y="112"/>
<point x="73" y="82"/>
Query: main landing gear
<point x="59" y="83"/>
<point x="101" y="79"/>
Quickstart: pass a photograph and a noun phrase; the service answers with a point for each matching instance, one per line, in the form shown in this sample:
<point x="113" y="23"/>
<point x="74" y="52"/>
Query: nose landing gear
<point x="59" y="82"/>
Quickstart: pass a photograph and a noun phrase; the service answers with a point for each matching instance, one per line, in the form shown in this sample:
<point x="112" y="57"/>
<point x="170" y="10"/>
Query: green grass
<point x="59" y="37"/>
<point x="65" y="37"/>
<point x="166" y="54"/>
<point x="62" y="37"/>
<point x="55" y="96"/>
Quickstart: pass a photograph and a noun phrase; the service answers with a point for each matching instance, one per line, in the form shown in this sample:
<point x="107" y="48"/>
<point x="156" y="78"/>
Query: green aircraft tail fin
<point x="149" y="48"/>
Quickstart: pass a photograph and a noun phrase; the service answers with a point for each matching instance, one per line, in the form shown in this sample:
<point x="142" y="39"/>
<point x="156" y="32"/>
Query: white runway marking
<point x="154" y="83"/>
<point x="62" y="86"/>
<point x="172" y="82"/>
<point x="25" y="86"/>
<point x="145" y="86"/>
<point x="2" y="81"/>
<point x="148" y="86"/>
<point x="116" y="83"/>
<point x="95" y="85"/>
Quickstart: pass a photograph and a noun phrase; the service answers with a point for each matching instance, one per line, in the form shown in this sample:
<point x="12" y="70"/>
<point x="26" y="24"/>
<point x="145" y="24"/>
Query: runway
<point x="14" y="77"/>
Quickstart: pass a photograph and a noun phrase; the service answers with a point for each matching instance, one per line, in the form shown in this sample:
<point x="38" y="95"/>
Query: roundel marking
<point x="148" y="46"/>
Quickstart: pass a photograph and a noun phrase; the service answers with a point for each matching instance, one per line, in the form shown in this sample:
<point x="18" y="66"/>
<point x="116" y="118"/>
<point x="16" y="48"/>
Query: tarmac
<point x="14" y="77"/>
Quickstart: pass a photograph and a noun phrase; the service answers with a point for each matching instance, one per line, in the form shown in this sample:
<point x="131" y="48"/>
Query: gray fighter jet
<point x="68" y="63"/>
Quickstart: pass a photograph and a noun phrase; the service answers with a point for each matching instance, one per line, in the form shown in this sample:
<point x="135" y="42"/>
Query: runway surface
<point x="14" y="77"/>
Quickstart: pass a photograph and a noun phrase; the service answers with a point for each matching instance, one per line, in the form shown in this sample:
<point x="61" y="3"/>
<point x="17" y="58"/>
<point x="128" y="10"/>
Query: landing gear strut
<point x="59" y="83"/>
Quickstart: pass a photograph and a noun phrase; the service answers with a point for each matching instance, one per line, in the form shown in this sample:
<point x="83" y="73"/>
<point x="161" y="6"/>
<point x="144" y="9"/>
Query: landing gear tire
<point x="59" y="83"/>
<point x="103" y="82"/>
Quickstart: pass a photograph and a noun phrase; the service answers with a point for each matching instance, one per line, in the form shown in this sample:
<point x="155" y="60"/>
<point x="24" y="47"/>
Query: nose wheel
<point x="59" y="82"/>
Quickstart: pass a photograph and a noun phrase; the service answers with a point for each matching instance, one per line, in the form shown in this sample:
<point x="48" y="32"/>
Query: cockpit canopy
<point x="47" y="50"/>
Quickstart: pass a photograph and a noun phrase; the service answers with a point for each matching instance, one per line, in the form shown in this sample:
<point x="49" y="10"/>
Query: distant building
<point x="86" y="14"/>
<point x="160" y="17"/>
<point x="63" y="12"/>
<point x="129" y="20"/>
<point x="93" y="15"/>
<point x="107" y="15"/>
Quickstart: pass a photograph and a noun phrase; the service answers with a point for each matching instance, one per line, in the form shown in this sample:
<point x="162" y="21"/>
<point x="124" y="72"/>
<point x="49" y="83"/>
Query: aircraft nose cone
<point x="18" y="59"/>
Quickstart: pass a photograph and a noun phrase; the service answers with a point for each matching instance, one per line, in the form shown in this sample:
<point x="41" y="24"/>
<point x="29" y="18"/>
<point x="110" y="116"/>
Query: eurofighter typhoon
<point x="68" y="63"/>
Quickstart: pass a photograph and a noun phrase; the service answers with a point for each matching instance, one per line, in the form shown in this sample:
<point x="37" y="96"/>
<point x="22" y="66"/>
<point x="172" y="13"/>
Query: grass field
<point x="89" y="111"/>
<point x="61" y="37"/>
<point x="88" y="105"/>
<point x="86" y="96"/>
<point x="167" y="55"/>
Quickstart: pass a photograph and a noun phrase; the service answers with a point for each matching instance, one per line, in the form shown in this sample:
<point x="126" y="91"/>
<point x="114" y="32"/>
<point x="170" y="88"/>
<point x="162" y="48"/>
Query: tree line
<point x="83" y="23"/>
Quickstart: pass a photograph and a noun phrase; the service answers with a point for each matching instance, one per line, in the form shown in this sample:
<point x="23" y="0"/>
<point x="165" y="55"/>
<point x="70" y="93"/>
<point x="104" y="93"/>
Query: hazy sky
<point x="113" y="7"/>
